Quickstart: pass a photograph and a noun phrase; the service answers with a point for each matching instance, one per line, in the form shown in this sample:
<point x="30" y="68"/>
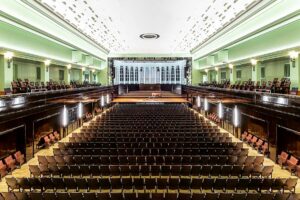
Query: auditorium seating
<point x="20" y="86"/>
<point x="276" y="86"/>
<point x="257" y="143"/>
<point x="150" y="152"/>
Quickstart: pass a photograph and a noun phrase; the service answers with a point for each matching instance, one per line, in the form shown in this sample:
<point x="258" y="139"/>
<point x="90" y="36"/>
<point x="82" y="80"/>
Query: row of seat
<point x="143" y="196"/>
<point x="9" y="163"/>
<point x="252" y="185"/>
<point x="290" y="162"/>
<point x="257" y="143"/>
<point x="158" y="160"/>
<point x="151" y="170"/>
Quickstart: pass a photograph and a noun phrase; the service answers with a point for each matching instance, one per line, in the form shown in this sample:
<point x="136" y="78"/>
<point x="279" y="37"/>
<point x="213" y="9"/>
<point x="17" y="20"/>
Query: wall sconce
<point x="220" y="111"/>
<point x="253" y="63"/>
<point x="69" y="67"/>
<point x="93" y="71"/>
<point x="83" y="69"/>
<point x="216" y="68"/>
<point x="230" y="67"/>
<point x="236" y="118"/>
<point x="293" y="55"/>
<point x="8" y="56"/>
<point x="47" y="63"/>
<point x="205" y="104"/>
<point x="206" y="70"/>
<point x="64" y="121"/>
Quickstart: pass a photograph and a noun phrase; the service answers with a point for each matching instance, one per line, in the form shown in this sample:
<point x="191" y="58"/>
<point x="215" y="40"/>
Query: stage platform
<point x="150" y="97"/>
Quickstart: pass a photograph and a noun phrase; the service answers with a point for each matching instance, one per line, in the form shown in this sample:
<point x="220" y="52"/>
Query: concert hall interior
<point x="149" y="99"/>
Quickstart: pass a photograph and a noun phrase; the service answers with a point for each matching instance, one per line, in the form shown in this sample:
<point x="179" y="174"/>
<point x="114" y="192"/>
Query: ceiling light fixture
<point x="149" y="36"/>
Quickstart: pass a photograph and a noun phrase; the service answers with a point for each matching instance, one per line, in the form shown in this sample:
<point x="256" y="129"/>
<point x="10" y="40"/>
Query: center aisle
<point x="151" y="151"/>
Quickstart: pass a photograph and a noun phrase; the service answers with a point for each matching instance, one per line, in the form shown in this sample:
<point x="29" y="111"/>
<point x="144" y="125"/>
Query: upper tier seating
<point x="275" y="86"/>
<point x="151" y="152"/>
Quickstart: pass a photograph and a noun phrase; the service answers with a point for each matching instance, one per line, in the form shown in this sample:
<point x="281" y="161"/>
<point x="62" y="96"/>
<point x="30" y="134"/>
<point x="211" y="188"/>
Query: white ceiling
<point x="117" y="24"/>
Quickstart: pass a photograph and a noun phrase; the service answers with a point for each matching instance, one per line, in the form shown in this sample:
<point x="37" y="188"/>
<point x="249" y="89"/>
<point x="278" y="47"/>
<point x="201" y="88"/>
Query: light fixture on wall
<point x="293" y="55"/>
<point x="216" y="68"/>
<point x="236" y="118"/>
<point x="47" y="63"/>
<point x="205" y="104"/>
<point x="108" y="99"/>
<point x="69" y="67"/>
<point x="253" y="63"/>
<point x="64" y="117"/>
<point x="206" y="70"/>
<point x="102" y="101"/>
<point x="230" y="67"/>
<point x="79" y="110"/>
<point x="83" y="69"/>
<point x="198" y="101"/>
<point x="93" y="71"/>
<point x="220" y="110"/>
<point x="9" y="57"/>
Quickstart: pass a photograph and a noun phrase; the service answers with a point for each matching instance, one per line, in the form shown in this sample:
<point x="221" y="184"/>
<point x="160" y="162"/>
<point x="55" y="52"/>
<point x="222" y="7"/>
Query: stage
<point x="150" y="97"/>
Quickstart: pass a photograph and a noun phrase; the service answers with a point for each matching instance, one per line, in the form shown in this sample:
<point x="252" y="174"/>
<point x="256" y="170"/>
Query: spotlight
<point x="236" y="119"/>
<point x="230" y="66"/>
<point x="102" y="101"/>
<point x="205" y="104"/>
<point x="253" y="61"/>
<point x="69" y="66"/>
<point x="8" y="56"/>
<point x="79" y="110"/>
<point x="47" y="62"/>
<point x="198" y="101"/>
<point x="107" y="98"/>
<point x="220" y="110"/>
<point x="64" y="117"/>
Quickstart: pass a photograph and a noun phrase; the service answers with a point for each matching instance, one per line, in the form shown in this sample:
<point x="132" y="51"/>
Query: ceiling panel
<point x="117" y="24"/>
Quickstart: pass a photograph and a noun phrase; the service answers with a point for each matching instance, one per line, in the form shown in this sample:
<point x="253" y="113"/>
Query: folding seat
<point x="116" y="184"/>
<point x="103" y="196"/>
<point x="259" y="160"/>
<point x="165" y="170"/>
<point x="226" y="170"/>
<point x="105" y="171"/>
<point x="225" y="196"/>
<point x="58" y="184"/>
<point x="232" y="160"/>
<point x="132" y="160"/>
<point x="173" y="184"/>
<point x="76" y="195"/>
<point x="281" y="196"/>
<point x="105" y="184"/>
<point x="150" y="184"/>
<point x="23" y="196"/>
<point x="75" y="170"/>
<point x="134" y="170"/>
<point x="47" y="184"/>
<point x="130" y="152"/>
<point x="93" y="184"/>
<point x="138" y="151"/>
<point x="42" y="160"/>
<point x="196" y="184"/>
<point x="124" y="170"/>
<point x="8" y="196"/>
<point x="198" y="196"/>
<point x="20" y="159"/>
<point x="89" y="196"/>
<point x="150" y="160"/>
<point x="243" y="184"/>
<point x="168" y="160"/>
<point x="157" y="196"/>
<point x="231" y="184"/>
<point x="216" y="170"/>
<point x="207" y="184"/>
<point x="236" y="170"/>
<point x="114" y="170"/>
<point x="220" y="185"/>
<point x="37" y="196"/>
<point x="242" y="160"/>
<point x="185" y="170"/>
<point x="81" y="184"/>
<point x="159" y="160"/>
<point x="175" y="170"/>
<point x="255" y="184"/>
<point x="290" y="184"/>
<point x="205" y="170"/>
<point x="50" y="159"/>
<point x="155" y="170"/>
<point x="177" y="160"/>
<point x="186" y="160"/>
<point x="266" y="196"/>
<point x="162" y="184"/>
<point x="247" y="170"/>
<point x="214" y="160"/>
<point x="292" y="163"/>
<point x="267" y="171"/>
<point x="129" y="196"/>
<point x="170" y="196"/>
<point x="145" y="170"/>
<point x="196" y="170"/>
<point x="252" y="196"/>
<point x="138" y="184"/>
<point x="154" y="152"/>
<point x="68" y="159"/>
<point x="34" y="171"/>
<point x="211" y="196"/>
<point x="143" y="196"/>
<point x="94" y="170"/>
<point x="85" y="170"/>
<point x="105" y="160"/>
<point x="114" y="160"/>
<point x="70" y="184"/>
<point x="223" y="160"/>
<point x="116" y="196"/>
<point x="282" y="158"/>
<point x="204" y="160"/>
<point x="238" y="196"/>
<point x="184" y="184"/>
<point x="184" y="196"/>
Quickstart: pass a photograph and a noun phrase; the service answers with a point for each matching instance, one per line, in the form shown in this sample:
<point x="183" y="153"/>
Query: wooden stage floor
<point x="146" y="97"/>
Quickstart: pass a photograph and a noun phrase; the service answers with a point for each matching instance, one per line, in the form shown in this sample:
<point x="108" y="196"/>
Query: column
<point x="232" y="75"/>
<point x="256" y="72"/>
<point x="6" y="73"/>
<point x="45" y="69"/>
<point x="295" y="72"/>
<point x="67" y="75"/>
<point x="218" y="76"/>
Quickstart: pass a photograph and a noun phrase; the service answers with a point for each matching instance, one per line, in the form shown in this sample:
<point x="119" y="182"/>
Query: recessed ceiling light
<point x="149" y="36"/>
